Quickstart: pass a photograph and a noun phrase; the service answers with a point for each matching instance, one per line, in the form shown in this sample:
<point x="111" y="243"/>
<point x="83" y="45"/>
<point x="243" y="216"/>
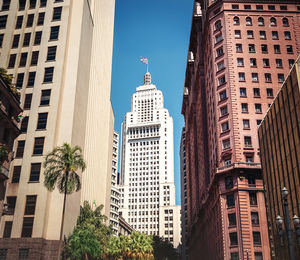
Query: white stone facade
<point x="147" y="164"/>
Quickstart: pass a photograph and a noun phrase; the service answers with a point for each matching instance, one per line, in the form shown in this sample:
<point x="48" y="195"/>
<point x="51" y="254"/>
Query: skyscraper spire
<point x="147" y="78"/>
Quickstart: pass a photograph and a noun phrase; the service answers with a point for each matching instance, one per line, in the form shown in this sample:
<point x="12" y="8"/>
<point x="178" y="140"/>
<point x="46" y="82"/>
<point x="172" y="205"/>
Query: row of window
<point x="23" y="253"/>
<point x="264" y="48"/>
<point x="247" y="142"/>
<point x="235" y="256"/>
<point x="38" y="147"/>
<point x="254" y="219"/>
<point x="261" y="7"/>
<point x="265" y="61"/>
<point x="22" y="4"/>
<point x="41" y="124"/>
<point x="254" y="77"/>
<point x="263" y="35"/>
<point x="260" y="21"/>
<point x="230" y="201"/>
<point x="234" y="238"/>
<point x="246" y="125"/>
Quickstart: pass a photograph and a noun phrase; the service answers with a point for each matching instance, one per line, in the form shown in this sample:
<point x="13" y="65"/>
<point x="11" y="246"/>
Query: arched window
<point x="285" y="22"/>
<point x="236" y="20"/>
<point x="248" y="21"/>
<point x="261" y="21"/>
<point x="218" y="25"/>
<point x="273" y="21"/>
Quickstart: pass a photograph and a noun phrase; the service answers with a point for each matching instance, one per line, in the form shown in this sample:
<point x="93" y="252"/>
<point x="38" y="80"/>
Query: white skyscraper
<point x="147" y="167"/>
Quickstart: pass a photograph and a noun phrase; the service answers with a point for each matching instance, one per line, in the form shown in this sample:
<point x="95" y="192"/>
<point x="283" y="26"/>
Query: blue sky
<point x="158" y="30"/>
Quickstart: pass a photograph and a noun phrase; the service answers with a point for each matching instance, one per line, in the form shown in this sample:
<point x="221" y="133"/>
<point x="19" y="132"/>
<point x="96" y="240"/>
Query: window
<point x="254" y="218"/>
<point x="29" y="22"/>
<point x="233" y="239"/>
<point x="220" y="65"/>
<point x="259" y="7"/>
<point x="11" y="201"/>
<point x="251" y="179"/>
<point x="237" y="34"/>
<point x="243" y="92"/>
<point x="230" y="200"/>
<point x="240" y="62"/>
<point x="266" y="63"/>
<point x="249" y="159"/>
<point x="219" y="38"/>
<point x="225" y="126"/>
<point x="27" y="102"/>
<point x="224" y="110"/>
<point x="250" y="34"/>
<point x="45" y="97"/>
<point x="43" y="3"/>
<point x="283" y="7"/>
<point x="22" y="4"/>
<point x="278" y="63"/>
<point x="27" y="229"/>
<point x="20" y="78"/>
<point x="242" y="76"/>
<point x="232" y="219"/>
<point x="247" y="7"/>
<point x="244" y="108"/>
<point x="256" y="92"/>
<point x="5" y="5"/>
<point x="19" y="22"/>
<point x="229" y="182"/>
<point x="57" y="13"/>
<point x="23" y="59"/>
<point x="38" y="145"/>
<point x="31" y="79"/>
<point x="251" y="48"/>
<point x="15" y="43"/>
<point x="268" y="77"/>
<point x="280" y="78"/>
<point x="54" y="33"/>
<point x="287" y="35"/>
<point x="32" y="4"/>
<point x="258" y="122"/>
<point x="247" y="141"/>
<point x="218" y="25"/>
<point x="220" y="52"/>
<point x="38" y="38"/>
<point x="261" y="21"/>
<point x="3" y="20"/>
<point x="226" y="144"/>
<point x="7" y="229"/>
<point x="16" y="173"/>
<point x="264" y="48"/>
<point x="262" y="35"/>
<point x="236" y="20"/>
<point x="289" y="49"/>
<point x="254" y="77"/>
<point x="275" y="35"/>
<point x="48" y="76"/>
<point x="30" y="205"/>
<point x="253" y="198"/>
<point x="271" y="7"/>
<point x="246" y="124"/>
<point x="34" y="58"/>
<point x="12" y="60"/>
<point x="285" y="22"/>
<point x="51" y="53"/>
<point x="239" y="47"/>
<point x="41" y="19"/>
<point x="270" y="92"/>
<point x="26" y="40"/>
<point x="223" y="95"/>
<point x="20" y="149"/>
<point x="42" y="121"/>
<point x="258" y="108"/>
<point x="273" y="21"/>
<point x="248" y="21"/>
<point x="1" y="39"/>
<point x="291" y="62"/>
<point x="234" y="256"/>
<point x="258" y="256"/>
<point x="235" y="6"/>
<point x="221" y="80"/>
<point x="277" y="49"/>
<point x="256" y="238"/>
<point x="253" y="62"/>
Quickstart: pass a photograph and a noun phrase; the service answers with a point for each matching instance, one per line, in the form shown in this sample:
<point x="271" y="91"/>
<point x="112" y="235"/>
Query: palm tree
<point x="60" y="170"/>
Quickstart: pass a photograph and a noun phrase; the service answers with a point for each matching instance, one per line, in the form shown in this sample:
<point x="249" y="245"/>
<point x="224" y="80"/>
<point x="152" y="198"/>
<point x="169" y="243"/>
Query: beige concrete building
<point x="60" y="54"/>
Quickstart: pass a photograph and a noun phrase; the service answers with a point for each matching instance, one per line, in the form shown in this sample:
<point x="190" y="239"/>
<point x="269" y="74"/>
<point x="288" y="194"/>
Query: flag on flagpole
<point x="144" y="60"/>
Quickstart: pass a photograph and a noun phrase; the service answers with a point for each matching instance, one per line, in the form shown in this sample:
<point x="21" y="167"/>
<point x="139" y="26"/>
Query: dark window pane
<point x="232" y="219"/>
<point x="3" y="253"/>
<point x="42" y="121"/>
<point x="19" y="22"/>
<point x="26" y="40"/>
<point x="30" y="204"/>
<point x="48" y="76"/>
<point x="54" y="33"/>
<point x="16" y="174"/>
<point x="22" y="4"/>
<point x="38" y="145"/>
<point x="251" y="179"/>
<point x="45" y="97"/>
<point x="11" y="201"/>
<point x="258" y="256"/>
<point x="233" y="239"/>
<point x="34" y="58"/>
<point x="230" y="200"/>
<point x="29" y="22"/>
<point x="38" y="38"/>
<point x="23" y="254"/>
<point x="27" y="227"/>
<point x="253" y="198"/>
<point x="16" y="39"/>
<point x="32" y="4"/>
<point x="51" y="53"/>
<point x="41" y="19"/>
<point x="20" y="149"/>
<point x="35" y="172"/>
<point x="24" y="124"/>
<point x="23" y="59"/>
<point x="43" y="3"/>
<point x="1" y="39"/>
<point x="229" y="182"/>
<point x="12" y="60"/>
<point x="3" y="20"/>
<point x="57" y="13"/>
<point x="256" y="238"/>
<point x="31" y="79"/>
<point x="7" y="229"/>
<point x="254" y="218"/>
<point x="5" y="5"/>
<point x="234" y="256"/>
<point x="20" y="78"/>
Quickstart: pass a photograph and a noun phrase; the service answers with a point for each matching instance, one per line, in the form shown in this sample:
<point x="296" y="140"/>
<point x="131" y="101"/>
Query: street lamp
<point x="296" y="222"/>
<point x="279" y="222"/>
<point x="288" y="228"/>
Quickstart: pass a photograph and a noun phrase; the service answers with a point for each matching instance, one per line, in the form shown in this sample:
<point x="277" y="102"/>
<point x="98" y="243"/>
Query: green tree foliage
<point x="3" y="153"/>
<point x="163" y="249"/>
<point x="8" y="80"/>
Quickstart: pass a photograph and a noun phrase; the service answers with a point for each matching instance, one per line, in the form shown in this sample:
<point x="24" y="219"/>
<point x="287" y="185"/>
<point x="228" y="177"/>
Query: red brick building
<point x="240" y="53"/>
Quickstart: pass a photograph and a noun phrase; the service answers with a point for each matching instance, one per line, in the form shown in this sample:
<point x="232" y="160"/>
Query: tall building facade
<point x="115" y="194"/>
<point x="239" y="55"/>
<point x="147" y="166"/>
<point x="279" y="135"/>
<point x="182" y="154"/>
<point x="60" y="55"/>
